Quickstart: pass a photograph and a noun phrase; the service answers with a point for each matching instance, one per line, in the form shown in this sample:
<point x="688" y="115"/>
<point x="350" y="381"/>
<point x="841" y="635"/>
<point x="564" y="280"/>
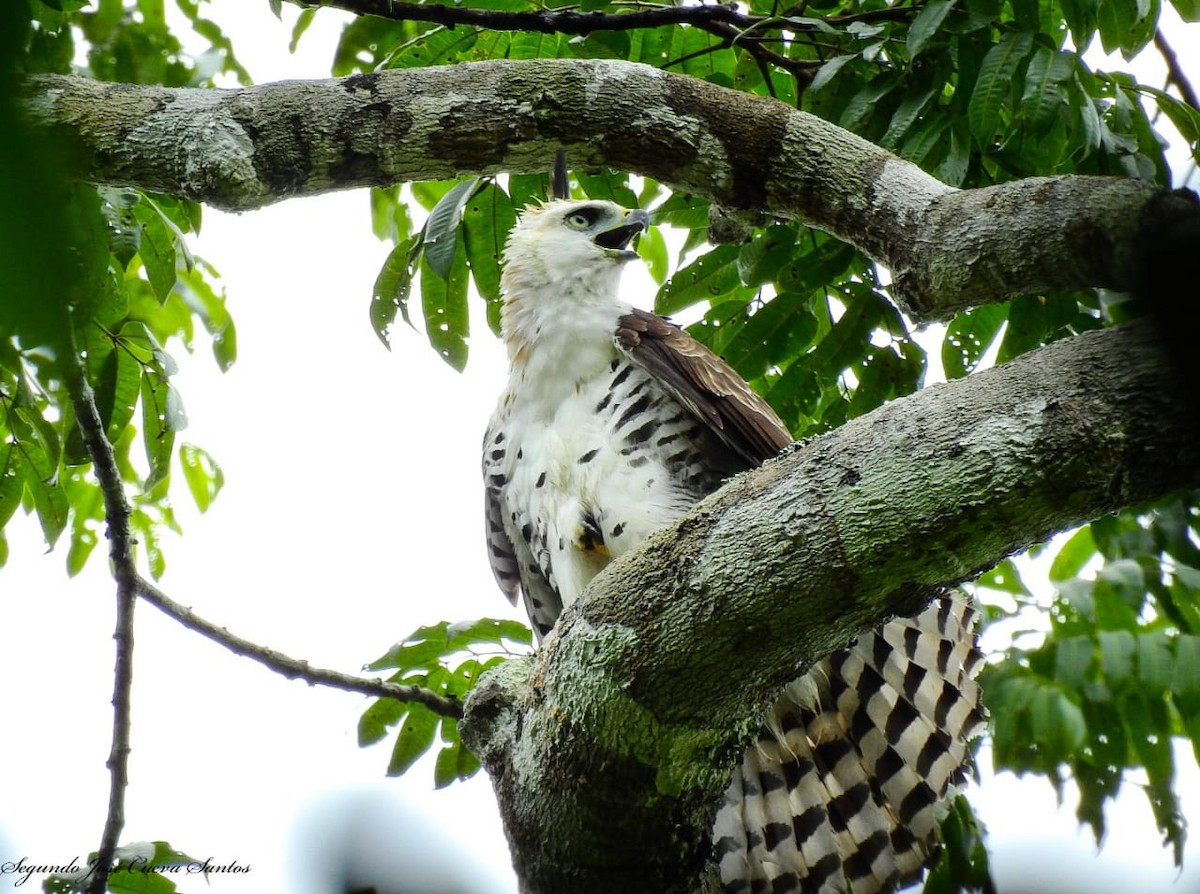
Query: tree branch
<point x="1175" y="73"/>
<point x="120" y="538"/>
<point x="296" y="668"/>
<point x="546" y="21"/>
<point x="569" y="21"/>
<point x="610" y="747"/>
<point x="947" y="248"/>
<point x="723" y="21"/>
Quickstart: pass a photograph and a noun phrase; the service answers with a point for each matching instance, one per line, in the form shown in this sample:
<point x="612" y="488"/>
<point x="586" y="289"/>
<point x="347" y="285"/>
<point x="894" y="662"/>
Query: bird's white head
<point x="565" y="257"/>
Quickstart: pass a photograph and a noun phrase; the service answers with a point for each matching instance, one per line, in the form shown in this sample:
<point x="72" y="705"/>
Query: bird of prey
<point x="613" y="423"/>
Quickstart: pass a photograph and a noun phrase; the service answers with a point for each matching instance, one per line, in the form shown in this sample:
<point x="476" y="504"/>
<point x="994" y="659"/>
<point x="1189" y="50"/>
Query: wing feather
<point x="517" y="570"/>
<point x="705" y="384"/>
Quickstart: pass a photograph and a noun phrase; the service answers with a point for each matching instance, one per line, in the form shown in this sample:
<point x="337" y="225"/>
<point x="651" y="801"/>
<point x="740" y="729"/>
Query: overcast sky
<point x="351" y="515"/>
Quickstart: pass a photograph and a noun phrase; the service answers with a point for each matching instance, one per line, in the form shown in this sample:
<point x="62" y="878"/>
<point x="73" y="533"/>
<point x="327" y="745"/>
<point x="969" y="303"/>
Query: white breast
<point x="566" y="473"/>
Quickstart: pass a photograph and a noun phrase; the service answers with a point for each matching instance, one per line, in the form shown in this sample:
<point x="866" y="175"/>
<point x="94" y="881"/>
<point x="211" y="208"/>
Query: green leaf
<point x="375" y="721"/>
<point x="828" y="71"/>
<point x="487" y="630"/>
<point x="392" y="287"/>
<point x="157" y="250"/>
<point x="195" y="289"/>
<point x="1044" y="95"/>
<point x="926" y="24"/>
<point x="993" y="89"/>
<point x="761" y="259"/>
<point x="1189" y="10"/>
<point x="1155" y="660"/>
<point x="444" y="304"/>
<point x="683" y="212"/>
<point x="36" y="452"/>
<point x="1073" y="555"/>
<point x="1073" y="658"/>
<point x="954" y="167"/>
<point x="1117" y="648"/>
<point x="1004" y="577"/>
<point x="963" y="862"/>
<point x="487" y="219"/>
<point x="453" y="762"/>
<point x="848" y="340"/>
<point x="866" y="101"/>
<point x="12" y="481"/>
<point x="440" y="236"/>
<point x="610" y="185"/>
<point x="907" y="112"/>
<point x="1186" y="678"/>
<point x="1127" y="27"/>
<point x="825" y="261"/>
<point x="158" y="426"/>
<point x="1056" y="721"/>
<point x="302" y="22"/>
<point x="968" y="338"/>
<point x="415" y="736"/>
<point x="779" y="330"/>
<point x="709" y="276"/>
<point x="652" y="248"/>
<point x="203" y="476"/>
<point x="390" y="219"/>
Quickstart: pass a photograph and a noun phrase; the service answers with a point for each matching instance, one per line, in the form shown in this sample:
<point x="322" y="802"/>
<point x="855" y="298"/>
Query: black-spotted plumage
<point x="614" y="422"/>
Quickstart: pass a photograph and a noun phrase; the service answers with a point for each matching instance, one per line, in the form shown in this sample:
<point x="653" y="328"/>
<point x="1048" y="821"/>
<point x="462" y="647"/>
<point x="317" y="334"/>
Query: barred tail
<point x="854" y="760"/>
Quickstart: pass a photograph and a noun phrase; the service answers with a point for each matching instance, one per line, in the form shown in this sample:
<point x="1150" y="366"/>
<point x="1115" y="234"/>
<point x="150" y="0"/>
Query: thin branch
<point x="724" y="21"/>
<point x="116" y="514"/>
<point x="543" y="21"/>
<point x="1175" y="74"/>
<point x="295" y="668"/>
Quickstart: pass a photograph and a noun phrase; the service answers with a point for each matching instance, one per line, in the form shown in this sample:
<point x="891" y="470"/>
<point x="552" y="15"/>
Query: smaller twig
<point x="1175" y="73"/>
<point x="120" y="538"/>
<point x="295" y="668"/>
<point x="566" y="21"/>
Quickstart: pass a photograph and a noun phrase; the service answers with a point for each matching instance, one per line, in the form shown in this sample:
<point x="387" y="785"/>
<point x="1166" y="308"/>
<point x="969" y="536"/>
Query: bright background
<point x="351" y="515"/>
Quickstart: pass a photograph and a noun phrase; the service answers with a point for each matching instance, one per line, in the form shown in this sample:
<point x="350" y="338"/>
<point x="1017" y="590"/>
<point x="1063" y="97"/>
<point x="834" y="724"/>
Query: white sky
<point x="350" y="516"/>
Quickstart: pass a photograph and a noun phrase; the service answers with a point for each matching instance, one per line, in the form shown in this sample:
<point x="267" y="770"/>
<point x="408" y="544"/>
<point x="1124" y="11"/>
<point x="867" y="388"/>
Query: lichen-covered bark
<point x="610" y="747"/>
<point x="240" y="149"/>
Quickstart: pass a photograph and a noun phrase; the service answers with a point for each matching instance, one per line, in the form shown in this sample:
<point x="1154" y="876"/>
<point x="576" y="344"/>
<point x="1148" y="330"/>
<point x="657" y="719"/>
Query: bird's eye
<point x="581" y="219"/>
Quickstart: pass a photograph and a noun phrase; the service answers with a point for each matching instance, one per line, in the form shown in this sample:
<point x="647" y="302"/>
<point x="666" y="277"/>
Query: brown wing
<point x="704" y="383"/>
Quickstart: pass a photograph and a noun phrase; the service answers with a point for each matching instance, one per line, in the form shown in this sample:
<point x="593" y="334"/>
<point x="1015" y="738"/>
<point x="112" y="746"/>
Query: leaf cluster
<point x="100" y="280"/>
<point x="1117" y="675"/>
<point x="446" y="659"/>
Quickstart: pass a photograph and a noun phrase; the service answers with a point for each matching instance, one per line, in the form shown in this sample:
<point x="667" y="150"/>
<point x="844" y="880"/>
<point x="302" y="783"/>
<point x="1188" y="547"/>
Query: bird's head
<point x="571" y="242"/>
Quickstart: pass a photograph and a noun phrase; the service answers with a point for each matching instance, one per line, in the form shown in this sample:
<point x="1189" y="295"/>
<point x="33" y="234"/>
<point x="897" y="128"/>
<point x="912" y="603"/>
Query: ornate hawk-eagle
<point x="614" y="422"/>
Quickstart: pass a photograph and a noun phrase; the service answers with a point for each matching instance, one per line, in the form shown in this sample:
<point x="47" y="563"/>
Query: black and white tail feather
<point x="855" y="762"/>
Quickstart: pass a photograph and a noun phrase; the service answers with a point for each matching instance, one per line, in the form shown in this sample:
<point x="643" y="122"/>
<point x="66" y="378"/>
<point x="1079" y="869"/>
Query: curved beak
<point x="618" y="238"/>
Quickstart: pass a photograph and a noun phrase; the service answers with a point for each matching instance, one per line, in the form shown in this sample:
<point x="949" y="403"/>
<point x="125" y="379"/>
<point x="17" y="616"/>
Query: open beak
<point x="618" y="238"/>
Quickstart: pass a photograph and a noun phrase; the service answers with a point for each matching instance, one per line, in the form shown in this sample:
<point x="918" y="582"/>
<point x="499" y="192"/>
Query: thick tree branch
<point x="610" y="747"/>
<point x="947" y="248"/>
<point x="295" y="668"/>
<point x="124" y="569"/>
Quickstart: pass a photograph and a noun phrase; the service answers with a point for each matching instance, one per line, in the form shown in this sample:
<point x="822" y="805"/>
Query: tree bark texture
<point x="610" y="747"/>
<point x="948" y="249"/>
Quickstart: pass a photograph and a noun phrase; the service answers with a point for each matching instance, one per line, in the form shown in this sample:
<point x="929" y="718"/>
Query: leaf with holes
<point x="392" y="288"/>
